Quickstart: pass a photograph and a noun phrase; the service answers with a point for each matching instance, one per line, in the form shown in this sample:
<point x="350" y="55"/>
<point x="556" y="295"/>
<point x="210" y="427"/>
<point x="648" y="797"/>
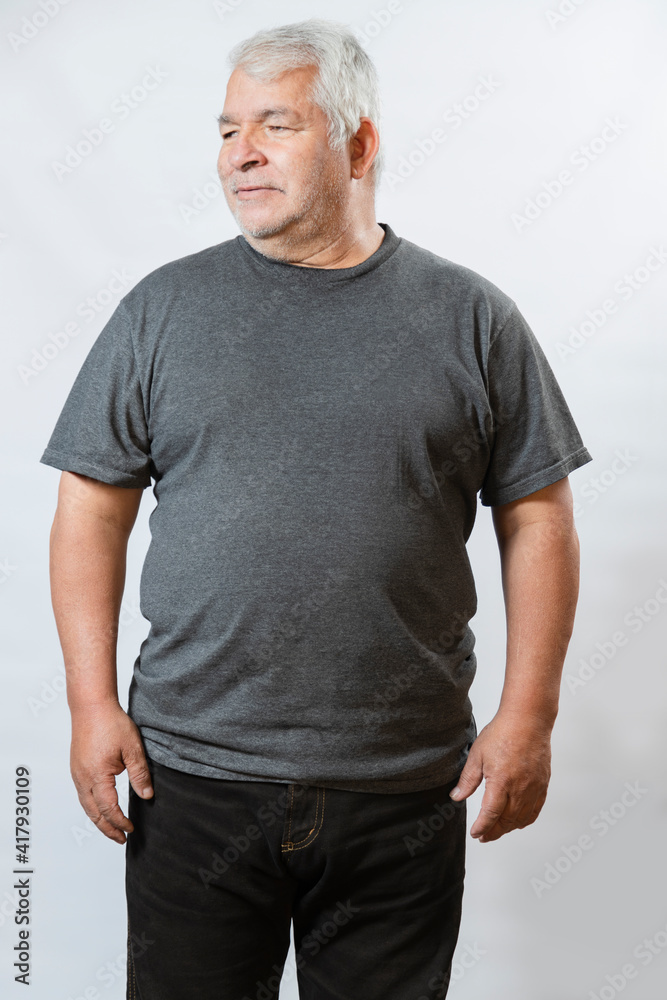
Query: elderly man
<point x="317" y="403"/>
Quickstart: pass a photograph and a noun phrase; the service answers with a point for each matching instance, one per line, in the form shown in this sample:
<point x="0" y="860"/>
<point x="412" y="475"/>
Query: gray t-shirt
<point x="317" y="439"/>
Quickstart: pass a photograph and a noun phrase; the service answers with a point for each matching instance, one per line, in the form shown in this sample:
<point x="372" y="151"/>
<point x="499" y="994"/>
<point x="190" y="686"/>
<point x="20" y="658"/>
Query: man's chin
<point x="261" y="228"/>
<point x="259" y="232"/>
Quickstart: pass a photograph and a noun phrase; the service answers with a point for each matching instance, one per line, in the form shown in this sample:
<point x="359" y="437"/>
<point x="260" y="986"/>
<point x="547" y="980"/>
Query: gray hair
<point x="346" y="86"/>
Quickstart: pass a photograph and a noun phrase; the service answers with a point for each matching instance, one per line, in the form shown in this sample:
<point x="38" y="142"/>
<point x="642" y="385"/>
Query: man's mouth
<point x="246" y="189"/>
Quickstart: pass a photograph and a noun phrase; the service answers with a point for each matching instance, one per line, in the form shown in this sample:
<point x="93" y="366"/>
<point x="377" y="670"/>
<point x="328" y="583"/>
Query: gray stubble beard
<point x="329" y="200"/>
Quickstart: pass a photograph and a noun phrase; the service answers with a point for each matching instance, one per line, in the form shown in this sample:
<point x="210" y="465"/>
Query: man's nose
<point x="244" y="152"/>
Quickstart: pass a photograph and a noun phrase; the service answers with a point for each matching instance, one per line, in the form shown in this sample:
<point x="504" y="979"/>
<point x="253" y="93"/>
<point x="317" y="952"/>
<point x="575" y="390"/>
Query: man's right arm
<point x="88" y="550"/>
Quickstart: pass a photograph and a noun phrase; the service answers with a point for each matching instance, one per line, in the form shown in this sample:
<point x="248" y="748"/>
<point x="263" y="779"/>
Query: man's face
<point x="275" y="165"/>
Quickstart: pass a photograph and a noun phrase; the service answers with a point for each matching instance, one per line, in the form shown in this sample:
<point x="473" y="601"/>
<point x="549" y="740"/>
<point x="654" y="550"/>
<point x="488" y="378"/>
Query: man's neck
<point x="347" y="249"/>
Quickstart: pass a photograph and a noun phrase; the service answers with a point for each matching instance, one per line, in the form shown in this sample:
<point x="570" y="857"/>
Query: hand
<point x="513" y="755"/>
<point x="105" y="741"/>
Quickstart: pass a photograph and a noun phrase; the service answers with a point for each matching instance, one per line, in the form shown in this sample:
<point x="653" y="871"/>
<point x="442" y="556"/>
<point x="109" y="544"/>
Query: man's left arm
<point x="539" y="555"/>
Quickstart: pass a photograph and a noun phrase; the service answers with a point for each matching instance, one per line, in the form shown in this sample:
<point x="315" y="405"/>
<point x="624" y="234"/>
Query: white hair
<point x="346" y="85"/>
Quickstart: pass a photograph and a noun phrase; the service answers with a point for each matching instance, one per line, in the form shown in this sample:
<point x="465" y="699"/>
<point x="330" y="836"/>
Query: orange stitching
<point x="316" y="829"/>
<point x="291" y="805"/>
<point x="132" y="983"/>
<point x="288" y="843"/>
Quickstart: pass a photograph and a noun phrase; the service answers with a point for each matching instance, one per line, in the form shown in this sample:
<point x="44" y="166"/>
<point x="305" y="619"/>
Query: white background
<point x="124" y="207"/>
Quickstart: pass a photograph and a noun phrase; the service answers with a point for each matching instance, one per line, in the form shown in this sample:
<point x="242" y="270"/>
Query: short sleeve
<point x="535" y="439"/>
<point x="102" y="429"/>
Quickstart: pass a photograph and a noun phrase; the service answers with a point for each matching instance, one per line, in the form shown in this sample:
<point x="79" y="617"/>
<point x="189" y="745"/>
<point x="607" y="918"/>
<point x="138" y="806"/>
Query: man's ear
<point x="364" y="145"/>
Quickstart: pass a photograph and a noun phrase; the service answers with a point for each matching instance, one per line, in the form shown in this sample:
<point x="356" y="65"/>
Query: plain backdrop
<point x="546" y="175"/>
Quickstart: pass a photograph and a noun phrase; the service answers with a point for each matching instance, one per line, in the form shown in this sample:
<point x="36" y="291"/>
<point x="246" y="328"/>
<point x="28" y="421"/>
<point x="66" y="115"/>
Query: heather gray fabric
<point x="317" y="440"/>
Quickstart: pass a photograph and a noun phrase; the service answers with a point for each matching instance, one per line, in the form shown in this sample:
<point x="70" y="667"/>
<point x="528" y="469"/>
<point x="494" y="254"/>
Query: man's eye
<point x="283" y="128"/>
<point x="225" y="135"/>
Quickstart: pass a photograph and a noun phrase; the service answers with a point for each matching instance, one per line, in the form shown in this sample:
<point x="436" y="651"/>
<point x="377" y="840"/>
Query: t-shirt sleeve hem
<point x="545" y="477"/>
<point x="72" y="463"/>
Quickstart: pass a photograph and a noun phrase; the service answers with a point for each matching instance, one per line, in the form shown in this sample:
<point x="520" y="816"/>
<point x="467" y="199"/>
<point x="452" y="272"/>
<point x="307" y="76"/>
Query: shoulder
<point x="464" y="289"/>
<point x="185" y="273"/>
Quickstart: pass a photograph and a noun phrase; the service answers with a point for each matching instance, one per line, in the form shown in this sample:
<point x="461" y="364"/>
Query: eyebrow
<point x="259" y="116"/>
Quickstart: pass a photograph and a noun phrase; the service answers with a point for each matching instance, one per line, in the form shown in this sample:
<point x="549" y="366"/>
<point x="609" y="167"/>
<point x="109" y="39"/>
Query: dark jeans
<point x="216" y="870"/>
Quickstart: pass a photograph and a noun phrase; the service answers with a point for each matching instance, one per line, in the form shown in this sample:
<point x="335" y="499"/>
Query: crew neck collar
<point x="323" y="275"/>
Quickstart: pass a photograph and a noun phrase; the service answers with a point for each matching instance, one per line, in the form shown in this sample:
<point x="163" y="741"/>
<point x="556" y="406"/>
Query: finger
<point x="537" y="808"/>
<point x="105" y="797"/>
<point x="524" y="808"/>
<point x="137" y="771"/>
<point x="103" y="825"/>
<point x="469" y="779"/>
<point x="498" y="830"/>
<point x="526" y="815"/>
<point x="112" y="832"/>
<point x="518" y="811"/>
<point x="515" y="820"/>
<point x="493" y="806"/>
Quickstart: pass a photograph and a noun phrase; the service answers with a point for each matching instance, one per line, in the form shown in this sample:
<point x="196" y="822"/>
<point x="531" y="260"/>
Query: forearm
<point x="539" y="556"/>
<point x="88" y="551"/>
<point x="87" y="568"/>
<point x="540" y="574"/>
